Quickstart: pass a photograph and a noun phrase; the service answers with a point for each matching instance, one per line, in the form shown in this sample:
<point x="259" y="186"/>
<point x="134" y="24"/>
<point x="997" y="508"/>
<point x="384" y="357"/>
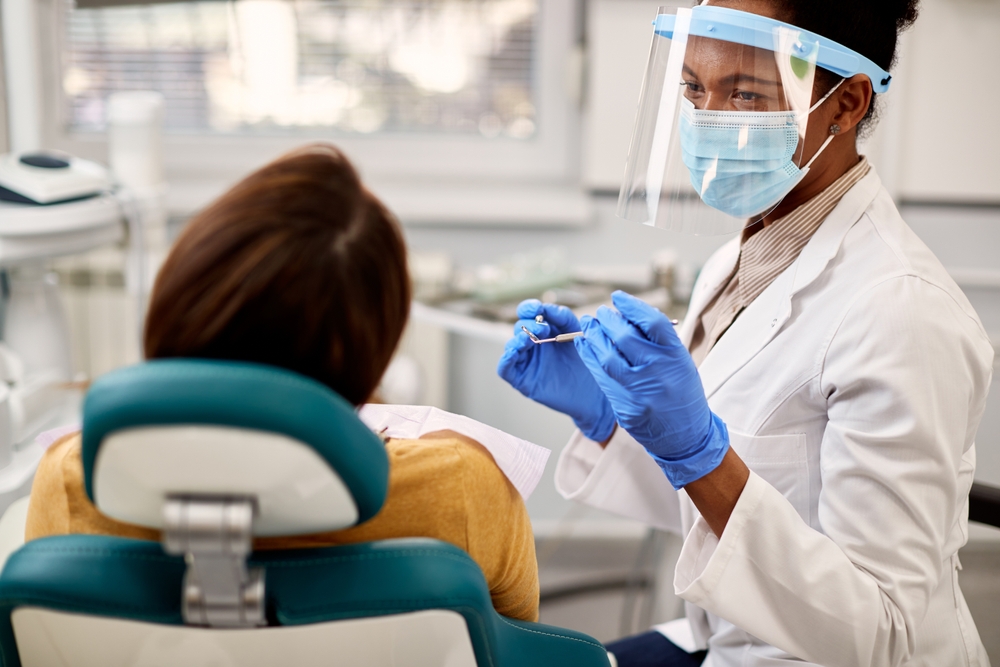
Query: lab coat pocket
<point x="782" y="461"/>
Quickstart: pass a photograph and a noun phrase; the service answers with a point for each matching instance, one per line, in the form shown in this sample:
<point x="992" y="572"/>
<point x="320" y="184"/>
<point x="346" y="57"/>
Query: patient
<point x="299" y="266"/>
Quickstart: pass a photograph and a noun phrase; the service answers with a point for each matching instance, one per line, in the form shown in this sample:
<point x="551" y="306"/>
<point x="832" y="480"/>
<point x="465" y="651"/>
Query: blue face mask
<point x="741" y="162"/>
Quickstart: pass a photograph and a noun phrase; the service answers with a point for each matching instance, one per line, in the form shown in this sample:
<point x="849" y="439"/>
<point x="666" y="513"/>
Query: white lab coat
<point x="852" y="388"/>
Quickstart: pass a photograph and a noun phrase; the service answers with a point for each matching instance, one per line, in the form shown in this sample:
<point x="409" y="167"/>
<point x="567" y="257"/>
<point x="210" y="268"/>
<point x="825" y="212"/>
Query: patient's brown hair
<point x="297" y="266"/>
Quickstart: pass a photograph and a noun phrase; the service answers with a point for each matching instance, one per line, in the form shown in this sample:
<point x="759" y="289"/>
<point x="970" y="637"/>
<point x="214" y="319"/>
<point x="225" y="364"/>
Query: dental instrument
<point x="561" y="338"/>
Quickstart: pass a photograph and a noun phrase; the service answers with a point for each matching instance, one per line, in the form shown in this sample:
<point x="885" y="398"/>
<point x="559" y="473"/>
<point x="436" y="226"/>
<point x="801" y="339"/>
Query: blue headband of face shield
<point x="731" y="25"/>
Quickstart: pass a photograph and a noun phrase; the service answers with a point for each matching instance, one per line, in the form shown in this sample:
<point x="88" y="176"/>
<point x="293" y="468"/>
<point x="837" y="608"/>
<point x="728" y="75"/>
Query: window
<point x="265" y="66"/>
<point x="424" y="95"/>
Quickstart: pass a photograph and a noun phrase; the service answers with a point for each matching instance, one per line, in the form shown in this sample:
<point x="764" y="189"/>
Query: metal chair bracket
<point x="214" y="535"/>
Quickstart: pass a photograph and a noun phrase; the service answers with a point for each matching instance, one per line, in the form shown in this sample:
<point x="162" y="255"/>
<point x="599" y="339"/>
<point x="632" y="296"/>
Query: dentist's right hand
<point x="553" y="373"/>
<point x="652" y="382"/>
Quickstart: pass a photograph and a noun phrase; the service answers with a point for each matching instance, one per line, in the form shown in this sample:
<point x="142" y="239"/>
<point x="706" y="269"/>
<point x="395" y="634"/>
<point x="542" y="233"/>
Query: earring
<point x="834" y="129"/>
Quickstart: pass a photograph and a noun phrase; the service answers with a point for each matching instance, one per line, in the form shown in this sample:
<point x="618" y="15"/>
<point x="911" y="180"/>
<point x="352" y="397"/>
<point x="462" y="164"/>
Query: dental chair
<point x="213" y="454"/>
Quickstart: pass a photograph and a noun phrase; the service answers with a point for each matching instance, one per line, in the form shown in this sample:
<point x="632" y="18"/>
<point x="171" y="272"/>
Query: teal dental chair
<point x="213" y="454"/>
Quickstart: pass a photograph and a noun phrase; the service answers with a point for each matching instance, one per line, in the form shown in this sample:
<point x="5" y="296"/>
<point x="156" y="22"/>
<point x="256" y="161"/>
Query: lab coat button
<point x="774" y="321"/>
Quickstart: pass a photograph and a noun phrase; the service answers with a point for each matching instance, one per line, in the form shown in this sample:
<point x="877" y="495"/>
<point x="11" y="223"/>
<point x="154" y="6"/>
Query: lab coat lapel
<point x="765" y="317"/>
<point x="712" y="280"/>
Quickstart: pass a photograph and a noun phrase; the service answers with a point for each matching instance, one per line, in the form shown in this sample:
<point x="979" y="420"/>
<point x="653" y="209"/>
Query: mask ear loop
<point x="825" y="97"/>
<point x="833" y="132"/>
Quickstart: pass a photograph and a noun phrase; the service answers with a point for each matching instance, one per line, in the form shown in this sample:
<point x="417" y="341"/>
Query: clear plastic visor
<point x="720" y="132"/>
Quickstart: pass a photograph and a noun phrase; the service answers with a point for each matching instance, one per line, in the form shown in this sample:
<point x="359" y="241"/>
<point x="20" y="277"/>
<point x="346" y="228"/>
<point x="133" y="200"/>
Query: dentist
<point x="809" y="428"/>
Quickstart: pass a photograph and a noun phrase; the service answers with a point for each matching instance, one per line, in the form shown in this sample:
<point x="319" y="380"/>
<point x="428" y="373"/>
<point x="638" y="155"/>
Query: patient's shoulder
<point x="463" y="445"/>
<point x="62" y="460"/>
<point x="448" y="452"/>
<point x="59" y="503"/>
<point x="497" y="529"/>
<point x="48" y="509"/>
<point x="64" y="447"/>
<point x="447" y="468"/>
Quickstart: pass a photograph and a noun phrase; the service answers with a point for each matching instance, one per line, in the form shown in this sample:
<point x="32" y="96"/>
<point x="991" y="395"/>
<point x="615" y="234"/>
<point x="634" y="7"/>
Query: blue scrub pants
<point x="652" y="649"/>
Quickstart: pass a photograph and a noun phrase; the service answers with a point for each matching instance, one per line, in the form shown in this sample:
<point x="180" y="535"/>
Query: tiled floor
<point x="603" y="563"/>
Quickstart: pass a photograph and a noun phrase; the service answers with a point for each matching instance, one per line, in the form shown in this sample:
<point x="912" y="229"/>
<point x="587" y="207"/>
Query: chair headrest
<point x="196" y="427"/>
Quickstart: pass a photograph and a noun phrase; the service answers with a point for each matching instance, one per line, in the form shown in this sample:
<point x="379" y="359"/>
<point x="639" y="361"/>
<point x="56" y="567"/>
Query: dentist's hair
<point x="870" y="27"/>
<point x="297" y="266"/>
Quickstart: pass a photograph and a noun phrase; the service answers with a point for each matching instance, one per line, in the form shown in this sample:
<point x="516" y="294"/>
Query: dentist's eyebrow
<point x="737" y="77"/>
<point x="743" y="77"/>
<point x="691" y="72"/>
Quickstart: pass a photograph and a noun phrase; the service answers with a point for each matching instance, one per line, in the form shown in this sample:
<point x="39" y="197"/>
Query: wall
<point x="949" y="95"/>
<point x="618" y="39"/>
<point x="3" y="100"/>
<point x="604" y="240"/>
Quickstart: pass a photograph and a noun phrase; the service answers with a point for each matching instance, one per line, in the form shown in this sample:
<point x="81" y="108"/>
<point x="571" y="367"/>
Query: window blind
<point x="458" y="67"/>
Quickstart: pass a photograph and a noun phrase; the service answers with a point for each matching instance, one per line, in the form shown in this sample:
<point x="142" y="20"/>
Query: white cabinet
<point x="619" y="33"/>
<point x="949" y="144"/>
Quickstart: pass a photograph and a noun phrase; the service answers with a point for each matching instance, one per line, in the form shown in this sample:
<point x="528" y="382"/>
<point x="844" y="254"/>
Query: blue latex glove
<point x="654" y="387"/>
<point x="552" y="373"/>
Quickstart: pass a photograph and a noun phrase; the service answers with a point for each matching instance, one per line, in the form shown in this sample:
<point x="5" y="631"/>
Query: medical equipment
<point x="561" y="338"/>
<point x="135" y="138"/>
<point x="720" y="133"/>
<point x="35" y="351"/>
<point x="42" y="177"/>
<point x="521" y="275"/>
<point x="214" y="454"/>
<point x="648" y="375"/>
<point x="60" y="205"/>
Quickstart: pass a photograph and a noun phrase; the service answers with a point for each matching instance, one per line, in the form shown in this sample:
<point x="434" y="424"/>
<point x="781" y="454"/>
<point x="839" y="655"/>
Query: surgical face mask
<point x="740" y="162"/>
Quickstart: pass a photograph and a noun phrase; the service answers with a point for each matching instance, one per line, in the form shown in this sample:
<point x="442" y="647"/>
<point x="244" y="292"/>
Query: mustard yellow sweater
<point x="444" y="486"/>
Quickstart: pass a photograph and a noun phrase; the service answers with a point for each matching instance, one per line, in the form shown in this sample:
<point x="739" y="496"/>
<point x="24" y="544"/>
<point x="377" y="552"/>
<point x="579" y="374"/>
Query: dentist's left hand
<point x="552" y="373"/>
<point x="648" y="375"/>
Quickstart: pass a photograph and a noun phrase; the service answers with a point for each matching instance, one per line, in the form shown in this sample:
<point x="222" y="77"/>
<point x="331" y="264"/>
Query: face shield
<point x="721" y="131"/>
